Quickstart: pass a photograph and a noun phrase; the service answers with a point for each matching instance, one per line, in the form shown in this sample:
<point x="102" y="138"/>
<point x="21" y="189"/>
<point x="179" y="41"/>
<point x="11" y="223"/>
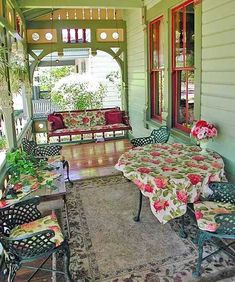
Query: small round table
<point x="171" y="175"/>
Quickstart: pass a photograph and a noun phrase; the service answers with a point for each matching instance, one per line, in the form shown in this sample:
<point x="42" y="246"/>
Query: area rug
<point x="107" y="245"/>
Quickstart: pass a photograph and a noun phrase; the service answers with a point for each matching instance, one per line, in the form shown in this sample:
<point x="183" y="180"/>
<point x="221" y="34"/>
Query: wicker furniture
<point x="26" y="236"/>
<point x="160" y="135"/>
<point x="215" y="217"/>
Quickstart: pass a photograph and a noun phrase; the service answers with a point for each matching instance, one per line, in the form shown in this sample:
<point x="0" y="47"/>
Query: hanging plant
<point x="18" y="72"/>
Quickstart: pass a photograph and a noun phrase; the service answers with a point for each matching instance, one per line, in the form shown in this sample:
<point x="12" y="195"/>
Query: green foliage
<point x="3" y="63"/>
<point x="18" y="72"/>
<point x="48" y="78"/>
<point x="78" y="92"/>
<point x="3" y="143"/>
<point x="19" y="162"/>
<point x="17" y="69"/>
<point x="115" y="78"/>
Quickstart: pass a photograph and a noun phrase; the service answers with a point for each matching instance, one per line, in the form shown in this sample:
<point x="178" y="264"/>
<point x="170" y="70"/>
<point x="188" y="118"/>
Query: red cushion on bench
<point x="113" y="117"/>
<point x="57" y="121"/>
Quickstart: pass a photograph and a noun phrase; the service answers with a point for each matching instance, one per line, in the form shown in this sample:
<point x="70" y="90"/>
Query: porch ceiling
<point x="59" y="4"/>
<point x="31" y="14"/>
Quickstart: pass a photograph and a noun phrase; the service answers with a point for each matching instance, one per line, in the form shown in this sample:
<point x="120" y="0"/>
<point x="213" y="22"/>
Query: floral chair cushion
<point x="206" y="211"/>
<point x="48" y="222"/>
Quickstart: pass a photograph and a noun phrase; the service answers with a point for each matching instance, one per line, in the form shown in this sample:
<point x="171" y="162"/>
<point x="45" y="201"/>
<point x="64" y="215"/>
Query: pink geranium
<point x="161" y="182"/>
<point x="182" y="197"/>
<point x="203" y="130"/>
<point x="160" y="205"/>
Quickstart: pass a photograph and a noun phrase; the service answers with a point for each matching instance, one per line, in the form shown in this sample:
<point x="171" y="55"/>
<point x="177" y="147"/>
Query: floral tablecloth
<point x="171" y="175"/>
<point x="31" y="183"/>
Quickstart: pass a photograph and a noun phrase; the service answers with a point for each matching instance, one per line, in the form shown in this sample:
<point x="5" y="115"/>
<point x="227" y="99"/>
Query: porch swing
<point x="92" y="122"/>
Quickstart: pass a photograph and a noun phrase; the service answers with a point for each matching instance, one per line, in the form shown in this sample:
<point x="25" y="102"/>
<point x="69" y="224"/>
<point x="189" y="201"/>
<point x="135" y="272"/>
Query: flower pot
<point x="203" y="146"/>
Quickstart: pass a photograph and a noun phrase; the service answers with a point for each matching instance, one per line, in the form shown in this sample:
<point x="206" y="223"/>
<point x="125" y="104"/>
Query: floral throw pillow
<point x="97" y="118"/>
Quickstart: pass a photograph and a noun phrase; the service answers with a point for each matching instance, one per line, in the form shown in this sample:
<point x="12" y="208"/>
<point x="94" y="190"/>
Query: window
<point x="156" y="68"/>
<point x="183" y="65"/>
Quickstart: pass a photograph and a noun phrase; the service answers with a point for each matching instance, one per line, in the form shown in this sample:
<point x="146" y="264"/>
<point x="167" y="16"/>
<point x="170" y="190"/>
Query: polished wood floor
<point x="94" y="159"/>
<point x="86" y="161"/>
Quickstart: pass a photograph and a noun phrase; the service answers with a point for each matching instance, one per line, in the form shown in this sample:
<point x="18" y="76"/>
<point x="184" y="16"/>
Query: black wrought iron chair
<point x="215" y="217"/>
<point x="160" y="135"/>
<point x="45" y="152"/>
<point x="26" y="236"/>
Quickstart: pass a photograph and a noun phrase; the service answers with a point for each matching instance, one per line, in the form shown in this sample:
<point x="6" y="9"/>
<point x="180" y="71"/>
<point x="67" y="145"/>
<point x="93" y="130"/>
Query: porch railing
<point x="43" y="107"/>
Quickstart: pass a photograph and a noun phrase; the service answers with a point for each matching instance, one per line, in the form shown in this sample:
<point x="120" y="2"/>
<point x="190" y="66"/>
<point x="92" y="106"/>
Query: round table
<point x="171" y="175"/>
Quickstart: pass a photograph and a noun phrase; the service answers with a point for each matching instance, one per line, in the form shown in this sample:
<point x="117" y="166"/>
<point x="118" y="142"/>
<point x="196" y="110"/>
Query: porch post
<point x="6" y="105"/>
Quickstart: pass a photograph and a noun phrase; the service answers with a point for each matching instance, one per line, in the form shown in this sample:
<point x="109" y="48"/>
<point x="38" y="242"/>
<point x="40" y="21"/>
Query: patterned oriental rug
<point x="107" y="245"/>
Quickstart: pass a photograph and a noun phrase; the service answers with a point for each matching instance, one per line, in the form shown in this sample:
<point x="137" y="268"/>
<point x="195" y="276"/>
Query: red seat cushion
<point x="113" y="117"/>
<point x="57" y="121"/>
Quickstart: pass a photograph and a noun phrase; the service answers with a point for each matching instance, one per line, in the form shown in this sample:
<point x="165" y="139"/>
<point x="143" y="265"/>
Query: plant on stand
<point x="23" y="166"/>
<point x="203" y="131"/>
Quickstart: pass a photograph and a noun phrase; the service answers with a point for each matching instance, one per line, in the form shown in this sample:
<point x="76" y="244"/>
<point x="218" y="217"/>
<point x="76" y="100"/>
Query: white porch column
<point x="6" y="104"/>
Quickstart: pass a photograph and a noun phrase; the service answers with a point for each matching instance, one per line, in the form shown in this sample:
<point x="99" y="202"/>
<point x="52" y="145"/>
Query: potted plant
<point x="25" y="170"/>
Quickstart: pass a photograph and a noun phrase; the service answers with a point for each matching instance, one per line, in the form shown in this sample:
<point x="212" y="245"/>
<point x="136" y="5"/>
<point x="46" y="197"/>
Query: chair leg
<point x="137" y="217"/>
<point x="66" y="214"/>
<point x="66" y="165"/>
<point x="13" y="267"/>
<point x="183" y="233"/>
<point x="67" y="261"/>
<point x="201" y="240"/>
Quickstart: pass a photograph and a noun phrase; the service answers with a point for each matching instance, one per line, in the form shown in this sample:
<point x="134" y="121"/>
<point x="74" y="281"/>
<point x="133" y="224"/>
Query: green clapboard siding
<point x="136" y="72"/>
<point x="218" y="75"/>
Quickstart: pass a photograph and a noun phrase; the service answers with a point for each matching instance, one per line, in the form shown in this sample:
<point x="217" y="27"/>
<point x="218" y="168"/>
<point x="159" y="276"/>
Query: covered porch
<point x="155" y="64"/>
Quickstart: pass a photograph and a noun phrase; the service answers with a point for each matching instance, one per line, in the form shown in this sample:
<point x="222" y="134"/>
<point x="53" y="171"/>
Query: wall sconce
<point x="93" y="53"/>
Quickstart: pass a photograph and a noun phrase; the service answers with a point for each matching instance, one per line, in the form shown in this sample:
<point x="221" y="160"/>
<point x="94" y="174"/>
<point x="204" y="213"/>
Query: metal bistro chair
<point x="215" y="217"/>
<point x="45" y="152"/>
<point x="160" y="135"/>
<point x="26" y="236"/>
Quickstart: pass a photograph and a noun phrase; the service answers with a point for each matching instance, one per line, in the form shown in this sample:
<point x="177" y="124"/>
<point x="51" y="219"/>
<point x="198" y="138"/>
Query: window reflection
<point x="183" y="66"/>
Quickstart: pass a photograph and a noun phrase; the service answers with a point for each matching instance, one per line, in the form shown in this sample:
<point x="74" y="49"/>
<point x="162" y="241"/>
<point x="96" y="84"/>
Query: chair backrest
<point x="141" y="141"/>
<point x="161" y="135"/>
<point x="28" y="146"/>
<point x="222" y="192"/>
<point x="226" y="224"/>
<point x="18" y="213"/>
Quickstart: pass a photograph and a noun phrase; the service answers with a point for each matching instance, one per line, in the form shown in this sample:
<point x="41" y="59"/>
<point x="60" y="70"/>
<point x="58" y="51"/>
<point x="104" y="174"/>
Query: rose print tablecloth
<point x="171" y="175"/>
<point x="32" y="183"/>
